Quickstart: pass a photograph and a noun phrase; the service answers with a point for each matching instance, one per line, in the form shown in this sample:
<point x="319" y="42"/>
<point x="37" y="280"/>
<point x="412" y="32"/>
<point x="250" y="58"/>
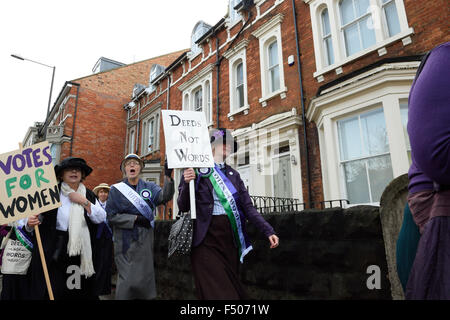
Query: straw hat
<point x="101" y="186"/>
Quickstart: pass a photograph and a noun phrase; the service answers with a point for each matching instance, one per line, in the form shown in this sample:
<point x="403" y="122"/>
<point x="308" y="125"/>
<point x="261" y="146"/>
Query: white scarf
<point x="79" y="237"/>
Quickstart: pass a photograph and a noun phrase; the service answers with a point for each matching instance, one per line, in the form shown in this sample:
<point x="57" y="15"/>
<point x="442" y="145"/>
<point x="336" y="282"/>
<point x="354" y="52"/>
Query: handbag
<point x="180" y="236"/>
<point x="16" y="257"/>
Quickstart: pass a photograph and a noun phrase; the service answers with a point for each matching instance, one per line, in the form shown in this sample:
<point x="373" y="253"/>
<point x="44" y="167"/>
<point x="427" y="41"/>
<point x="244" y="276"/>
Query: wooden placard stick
<point x="41" y="253"/>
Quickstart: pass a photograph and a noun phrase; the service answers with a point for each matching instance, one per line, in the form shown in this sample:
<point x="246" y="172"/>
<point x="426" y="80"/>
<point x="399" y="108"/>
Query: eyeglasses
<point x="131" y="162"/>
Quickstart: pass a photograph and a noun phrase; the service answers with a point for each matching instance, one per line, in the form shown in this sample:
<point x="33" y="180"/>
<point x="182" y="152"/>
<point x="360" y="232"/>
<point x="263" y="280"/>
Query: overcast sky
<point x="72" y="36"/>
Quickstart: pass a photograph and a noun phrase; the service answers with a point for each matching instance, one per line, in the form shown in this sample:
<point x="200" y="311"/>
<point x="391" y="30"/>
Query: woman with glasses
<point x="131" y="208"/>
<point x="67" y="235"/>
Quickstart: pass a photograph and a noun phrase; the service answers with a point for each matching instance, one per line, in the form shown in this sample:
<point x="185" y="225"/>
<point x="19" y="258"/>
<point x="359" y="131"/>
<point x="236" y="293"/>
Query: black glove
<point x="167" y="171"/>
<point x="142" y="222"/>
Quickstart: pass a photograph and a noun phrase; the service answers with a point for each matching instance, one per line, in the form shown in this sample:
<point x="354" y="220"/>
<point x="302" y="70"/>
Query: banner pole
<point x="44" y="264"/>
<point x="192" y="198"/>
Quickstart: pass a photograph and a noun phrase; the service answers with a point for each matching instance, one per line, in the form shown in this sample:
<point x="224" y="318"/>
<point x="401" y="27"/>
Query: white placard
<point x="187" y="139"/>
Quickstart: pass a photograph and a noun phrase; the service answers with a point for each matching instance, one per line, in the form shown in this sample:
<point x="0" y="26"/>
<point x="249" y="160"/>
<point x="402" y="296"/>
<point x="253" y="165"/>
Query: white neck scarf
<point x="79" y="237"/>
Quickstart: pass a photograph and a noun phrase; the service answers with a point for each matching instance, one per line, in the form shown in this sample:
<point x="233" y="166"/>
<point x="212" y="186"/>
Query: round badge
<point x="146" y="194"/>
<point x="204" y="172"/>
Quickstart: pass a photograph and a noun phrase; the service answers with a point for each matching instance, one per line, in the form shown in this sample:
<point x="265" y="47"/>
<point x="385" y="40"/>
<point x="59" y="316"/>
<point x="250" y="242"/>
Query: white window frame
<point x="326" y="54"/>
<point x="267" y="34"/>
<point x="147" y="135"/>
<point x="155" y="71"/>
<point x="356" y="21"/>
<point x="340" y="58"/>
<point x="234" y="16"/>
<point x="364" y="158"/>
<point x="199" y="30"/>
<point x="132" y="140"/>
<point x="202" y="79"/>
<point x="234" y="56"/>
<point x="388" y="86"/>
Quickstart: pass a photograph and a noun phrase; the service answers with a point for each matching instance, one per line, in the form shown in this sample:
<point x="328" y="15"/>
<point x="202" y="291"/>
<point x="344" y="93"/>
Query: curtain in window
<point x="365" y="158"/>
<point x="390" y="12"/>
<point x="357" y="25"/>
<point x="326" y="36"/>
<point x="274" y="68"/>
<point x="240" y="85"/>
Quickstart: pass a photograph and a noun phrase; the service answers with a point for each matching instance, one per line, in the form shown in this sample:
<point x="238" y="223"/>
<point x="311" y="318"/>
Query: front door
<point x="282" y="184"/>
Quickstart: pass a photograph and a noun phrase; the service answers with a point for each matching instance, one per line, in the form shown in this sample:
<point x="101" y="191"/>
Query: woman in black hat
<point x="67" y="235"/>
<point x="220" y="240"/>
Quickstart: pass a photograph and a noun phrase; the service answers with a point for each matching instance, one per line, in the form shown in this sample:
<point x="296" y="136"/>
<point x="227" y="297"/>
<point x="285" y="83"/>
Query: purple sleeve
<point x="429" y="116"/>
<point x="183" y="201"/>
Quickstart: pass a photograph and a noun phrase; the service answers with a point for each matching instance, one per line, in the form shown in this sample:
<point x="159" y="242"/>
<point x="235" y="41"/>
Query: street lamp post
<point x="53" y="78"/>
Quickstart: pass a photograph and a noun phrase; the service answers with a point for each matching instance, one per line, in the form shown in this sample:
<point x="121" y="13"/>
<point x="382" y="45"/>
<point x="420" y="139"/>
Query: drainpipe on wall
<point x="305" y="138"/>
<point x="74" y="118"/>
<point x="137" y="128"/>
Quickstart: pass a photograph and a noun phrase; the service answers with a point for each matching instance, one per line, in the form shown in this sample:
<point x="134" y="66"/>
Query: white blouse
<point x="98" y="214"/>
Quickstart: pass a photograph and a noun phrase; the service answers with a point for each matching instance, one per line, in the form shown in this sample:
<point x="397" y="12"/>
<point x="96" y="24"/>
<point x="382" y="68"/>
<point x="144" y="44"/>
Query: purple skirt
<point x="430" y="273"/>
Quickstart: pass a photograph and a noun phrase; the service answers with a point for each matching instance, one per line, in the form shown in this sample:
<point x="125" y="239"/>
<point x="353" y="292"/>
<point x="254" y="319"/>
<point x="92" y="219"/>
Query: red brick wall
<point x="427" y="19"/>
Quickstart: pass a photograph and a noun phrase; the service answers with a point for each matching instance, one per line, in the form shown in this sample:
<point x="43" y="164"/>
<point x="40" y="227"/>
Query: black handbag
<point x="180" y="236"/>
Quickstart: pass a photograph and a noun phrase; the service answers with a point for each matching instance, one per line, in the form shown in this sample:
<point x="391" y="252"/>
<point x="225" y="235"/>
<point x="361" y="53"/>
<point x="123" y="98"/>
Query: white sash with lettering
<point x="136" y="200"/>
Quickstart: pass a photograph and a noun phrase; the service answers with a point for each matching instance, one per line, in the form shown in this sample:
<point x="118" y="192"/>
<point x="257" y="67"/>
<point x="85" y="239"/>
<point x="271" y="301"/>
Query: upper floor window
<point x="391" y="16"/>
<point x="131" y="141"/>
<point x="271" y="59"/>
<point x="326" y="38"/>
<point x="198" y="99"/>
<point x="150" y="133"/>
<point x="199" y="30"/>
<point x="239" y="72"/>
<point x="347" y="29"/>
<point x="273" y="67"/>
<point x="197" y="93"/>
<point x="234" y="15"/>
<point x="356" y="25"/>
<point x="238" y="78"/>
<point x="155" y="71"/>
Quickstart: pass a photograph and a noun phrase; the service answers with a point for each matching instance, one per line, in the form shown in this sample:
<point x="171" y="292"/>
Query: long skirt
<point x="430" y="276"/>
<point x="215" y="264"/>
<point x="15" y="287"/>
<point x="66" y="283"/>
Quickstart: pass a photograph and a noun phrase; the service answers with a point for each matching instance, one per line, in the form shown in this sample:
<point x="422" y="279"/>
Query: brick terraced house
<point x="315" y="91"/>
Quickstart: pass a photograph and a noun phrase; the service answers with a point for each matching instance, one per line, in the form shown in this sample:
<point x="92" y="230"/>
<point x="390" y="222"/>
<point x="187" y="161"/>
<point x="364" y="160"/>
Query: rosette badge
<point x="204" y="172"/>
<point x="146" y="194"/>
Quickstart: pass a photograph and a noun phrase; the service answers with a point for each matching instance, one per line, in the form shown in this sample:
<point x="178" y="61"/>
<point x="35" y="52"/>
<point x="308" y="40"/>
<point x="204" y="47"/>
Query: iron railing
<point x="333" y="203"/>
<point x="266" y="205"/>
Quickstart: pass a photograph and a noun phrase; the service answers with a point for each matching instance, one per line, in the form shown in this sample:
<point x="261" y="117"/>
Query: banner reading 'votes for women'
<point x="28" y="183"/>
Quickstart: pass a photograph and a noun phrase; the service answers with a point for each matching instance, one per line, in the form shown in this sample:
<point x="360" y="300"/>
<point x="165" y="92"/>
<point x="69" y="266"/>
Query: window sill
<point x="280" y="92"/>
<point x="244" y="110"/>
<point x="337" y="65"/>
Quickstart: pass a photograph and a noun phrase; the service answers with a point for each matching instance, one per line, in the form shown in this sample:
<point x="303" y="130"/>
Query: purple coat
<point x="205" y="204"/>
<point x="429" y="123"/>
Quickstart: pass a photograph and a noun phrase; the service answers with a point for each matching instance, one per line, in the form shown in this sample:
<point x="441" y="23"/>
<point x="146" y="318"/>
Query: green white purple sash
<point x="228" y="197"/>
<point x="23" y="238"/>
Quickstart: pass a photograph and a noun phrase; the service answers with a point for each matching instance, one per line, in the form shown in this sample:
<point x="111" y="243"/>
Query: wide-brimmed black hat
<point x="72" y="162"/>
<point x="224" y="136"/>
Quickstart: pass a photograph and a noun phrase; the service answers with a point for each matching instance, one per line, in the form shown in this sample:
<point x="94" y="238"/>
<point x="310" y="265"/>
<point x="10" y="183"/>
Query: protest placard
<point x="187" y="143"/>
<point x="28" y="183"/>
<point x="187" y="139"/>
